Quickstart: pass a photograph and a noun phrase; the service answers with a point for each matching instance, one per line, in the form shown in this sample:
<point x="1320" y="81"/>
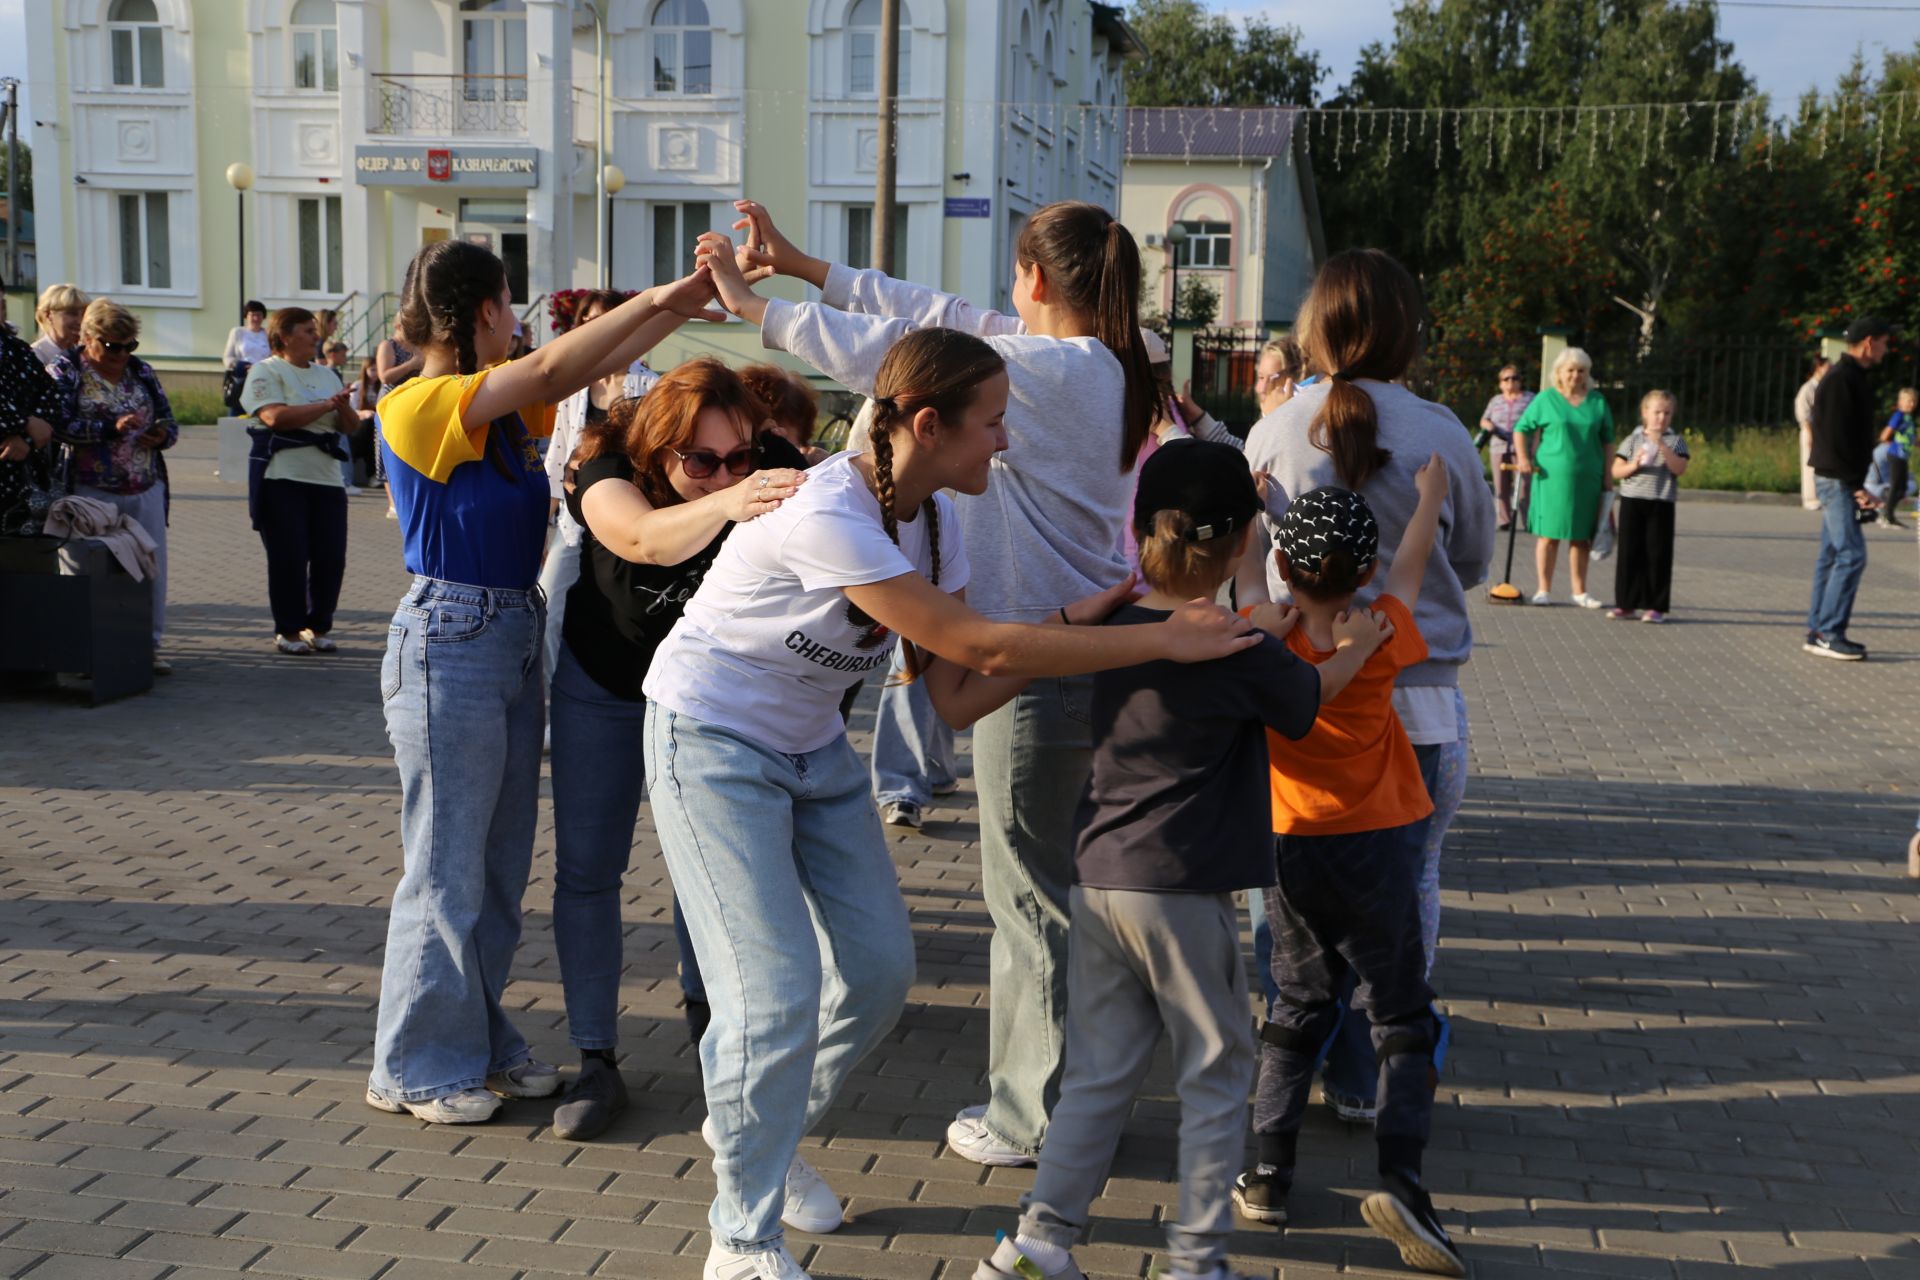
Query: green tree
<point x="1196" y="58"/>
<point x="26" y="174"/>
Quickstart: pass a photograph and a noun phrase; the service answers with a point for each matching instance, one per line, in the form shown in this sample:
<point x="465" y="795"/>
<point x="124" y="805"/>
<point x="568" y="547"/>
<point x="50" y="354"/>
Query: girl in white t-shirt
<point x="763" y="808"/>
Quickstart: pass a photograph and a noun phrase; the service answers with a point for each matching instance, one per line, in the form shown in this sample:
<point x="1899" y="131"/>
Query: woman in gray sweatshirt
<point x="1356" y="428"/>
<point x="1045" y="531"/>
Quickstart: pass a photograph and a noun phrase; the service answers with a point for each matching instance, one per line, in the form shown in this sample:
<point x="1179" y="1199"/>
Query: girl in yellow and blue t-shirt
<point x="461" y="681"/>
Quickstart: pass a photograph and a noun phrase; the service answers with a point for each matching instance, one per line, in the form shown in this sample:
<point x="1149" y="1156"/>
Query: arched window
<point x="315" y="40"/>
<point x="1046" y="58"/>
<point x="863" y="50"/>
<point x="1021" y="57"/>
<point x="135" y="35"/>
<point x="493" y="49"/>
<point x="682" y="48"/>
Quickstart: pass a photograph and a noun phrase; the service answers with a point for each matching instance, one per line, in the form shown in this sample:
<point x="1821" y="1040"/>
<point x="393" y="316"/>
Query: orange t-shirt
<point x="1355" y="769"/>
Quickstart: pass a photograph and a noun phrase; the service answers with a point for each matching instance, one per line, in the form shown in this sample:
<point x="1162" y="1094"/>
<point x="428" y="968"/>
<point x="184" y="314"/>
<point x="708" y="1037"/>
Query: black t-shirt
<point x="1179" y="799"/>
<point x="618" y="612"/>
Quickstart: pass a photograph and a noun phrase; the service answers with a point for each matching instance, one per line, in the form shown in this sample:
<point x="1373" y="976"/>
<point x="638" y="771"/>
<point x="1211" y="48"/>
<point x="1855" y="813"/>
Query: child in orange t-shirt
<point x="1349" y="817"/>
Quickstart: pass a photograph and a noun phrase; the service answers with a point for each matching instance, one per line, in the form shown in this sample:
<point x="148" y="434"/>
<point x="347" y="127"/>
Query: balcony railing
<point x="445" y="106"/>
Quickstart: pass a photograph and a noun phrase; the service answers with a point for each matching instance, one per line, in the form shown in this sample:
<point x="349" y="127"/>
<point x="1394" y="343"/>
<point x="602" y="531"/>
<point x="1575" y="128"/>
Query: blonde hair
<point x="1293" y="361"/>
<point x="1572" y="356"/>
<point x="56" y="298"/>
<point x="1657" y="394"/>
<point x="1173" y="563"/>
<point x="108" y="321"/>
<point x="1909" y="393"/>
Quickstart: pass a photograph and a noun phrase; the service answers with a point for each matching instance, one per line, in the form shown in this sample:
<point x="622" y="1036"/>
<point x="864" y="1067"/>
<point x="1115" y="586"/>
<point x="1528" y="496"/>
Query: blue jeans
<point x="598" y="779"/>
<point x="557" y="575"/>
<point x="1031" y="759"/>
<point x="460" y="684"/>
<point x="1842" y="559"/>
<point x="912" y="745"/>
<point x="795" y="910"/>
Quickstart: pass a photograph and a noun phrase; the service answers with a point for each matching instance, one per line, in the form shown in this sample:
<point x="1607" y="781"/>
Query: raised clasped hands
<point x="690" y="296"/>
<point x="715" y="257"/>
<point x="766" y="249"/>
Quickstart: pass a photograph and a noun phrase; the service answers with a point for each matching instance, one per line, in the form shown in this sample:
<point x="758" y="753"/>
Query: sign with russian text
<point x="406" y="166"/>
<point x="969" y="207"/>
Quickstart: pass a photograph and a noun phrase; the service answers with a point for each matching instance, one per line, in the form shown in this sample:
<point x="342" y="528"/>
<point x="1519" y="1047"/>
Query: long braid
<point x="439" y="304"/>
<point x="882" y="446"/>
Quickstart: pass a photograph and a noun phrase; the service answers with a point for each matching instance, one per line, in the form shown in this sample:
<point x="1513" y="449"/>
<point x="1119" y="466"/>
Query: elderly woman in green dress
<point x="1563" y="441"/>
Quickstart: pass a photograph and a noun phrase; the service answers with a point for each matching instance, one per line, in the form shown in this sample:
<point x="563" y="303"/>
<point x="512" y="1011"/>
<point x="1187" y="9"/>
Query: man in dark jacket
<point x="1842" y="454"/>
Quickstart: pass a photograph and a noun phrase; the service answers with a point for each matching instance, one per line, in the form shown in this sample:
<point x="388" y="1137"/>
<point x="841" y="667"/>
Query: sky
<point x="1785" y="50"/>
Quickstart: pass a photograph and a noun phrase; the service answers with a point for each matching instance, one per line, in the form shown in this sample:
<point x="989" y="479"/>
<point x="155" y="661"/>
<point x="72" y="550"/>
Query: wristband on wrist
<point x="1063" y="616"/>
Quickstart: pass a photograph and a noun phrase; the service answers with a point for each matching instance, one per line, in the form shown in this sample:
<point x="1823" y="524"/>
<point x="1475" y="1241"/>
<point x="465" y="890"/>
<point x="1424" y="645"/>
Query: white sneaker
<point x="771" y="1264"/>
<point x="810" y="1205"/>
<point x="970" y="1137"/>
<point x="354" y="491"/>
<point x="1586" y="601"/>
<point x="531" y="1079"/>
<point x="975" y="1112"/>
<point x="469" y="1106"/>
<point x="1007" y="1262"/>
<point x="1543" y="597"/>
<point x="318" y="643"/>
<point x="901" y="813"/>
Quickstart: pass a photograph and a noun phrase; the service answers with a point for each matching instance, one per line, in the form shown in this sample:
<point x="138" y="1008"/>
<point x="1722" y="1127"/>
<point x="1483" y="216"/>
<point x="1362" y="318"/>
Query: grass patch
<point x="1747" y="460"/>
<point x="196" y="408"/>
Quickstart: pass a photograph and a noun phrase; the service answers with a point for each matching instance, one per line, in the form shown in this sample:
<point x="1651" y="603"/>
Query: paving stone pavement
<point x="1679" y="956"/>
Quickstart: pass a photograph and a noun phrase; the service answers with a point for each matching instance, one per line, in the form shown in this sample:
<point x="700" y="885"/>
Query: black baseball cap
<point x="1867" y="327"/>
<point x="1210" y="482"/>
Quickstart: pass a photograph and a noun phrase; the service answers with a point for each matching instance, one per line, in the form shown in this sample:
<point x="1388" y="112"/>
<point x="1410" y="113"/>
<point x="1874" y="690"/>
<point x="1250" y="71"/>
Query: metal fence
<point x="1720" y="384"/>
<point x="1223" y="374"/>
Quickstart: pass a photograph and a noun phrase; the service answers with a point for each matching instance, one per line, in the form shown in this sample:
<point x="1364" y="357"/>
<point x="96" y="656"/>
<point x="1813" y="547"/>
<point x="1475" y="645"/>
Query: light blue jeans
<point x="598" y="779"/>
<point x="782" y="870"/>
<point x="557" y="575"/>
<point x="912" y="745"/>
<point x="1841" y="562"/>
<point x="1031" y="759"/>
<point x="460" y="684"/>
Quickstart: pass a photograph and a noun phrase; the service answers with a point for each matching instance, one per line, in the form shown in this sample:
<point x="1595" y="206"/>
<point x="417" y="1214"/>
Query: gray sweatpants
<point x="1139" y="963"/>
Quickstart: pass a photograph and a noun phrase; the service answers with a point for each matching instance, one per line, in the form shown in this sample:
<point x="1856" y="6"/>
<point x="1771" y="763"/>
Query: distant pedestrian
<point x="1647" y="469"/>
<point x="1803" y="415"/>
<point x="1561" y="445"/>
<point x="1502" y="412"/>
<point x="1898" y="438"/>
<point x="246" y="346"/>
<point x="1843" y="435"/>
<point x="58" y="314"/>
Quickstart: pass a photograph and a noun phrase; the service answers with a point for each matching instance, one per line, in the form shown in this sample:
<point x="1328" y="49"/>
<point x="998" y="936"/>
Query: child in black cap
<point x="1349" y="815"/>
<point x="1175" y="821"/>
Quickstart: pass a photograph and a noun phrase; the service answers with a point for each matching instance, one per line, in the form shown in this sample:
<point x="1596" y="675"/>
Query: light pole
<point x="240" y="177"/>
<point x="612" y="181"/>
<point x="1176" y="237"/>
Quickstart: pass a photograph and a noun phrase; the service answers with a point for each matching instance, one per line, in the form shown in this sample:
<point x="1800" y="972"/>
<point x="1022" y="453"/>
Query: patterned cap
<point x="1328" y="520"/>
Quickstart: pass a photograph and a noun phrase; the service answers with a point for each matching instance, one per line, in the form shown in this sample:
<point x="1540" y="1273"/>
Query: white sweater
<point x="1046" y="530"/>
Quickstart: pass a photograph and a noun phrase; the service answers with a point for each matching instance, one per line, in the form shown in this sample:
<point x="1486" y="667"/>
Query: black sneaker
<point x="1837" y="647"/>
<point x="1260" y="1196"/>
<point x="595" y="1097"/>
<point x="1402" y="1213"/>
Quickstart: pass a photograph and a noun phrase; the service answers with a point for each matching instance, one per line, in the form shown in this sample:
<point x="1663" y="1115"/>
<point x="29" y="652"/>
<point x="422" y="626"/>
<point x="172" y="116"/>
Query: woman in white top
<point x="763" y="809"/>
<point x="58" y="312"/>
<point x="1082" y="401"/>
<point x="587" y="405"/>
<point x="247" y="346"/>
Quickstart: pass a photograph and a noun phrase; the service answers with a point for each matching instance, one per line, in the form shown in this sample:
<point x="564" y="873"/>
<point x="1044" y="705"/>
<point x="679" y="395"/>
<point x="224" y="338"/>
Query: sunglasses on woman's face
<point x="120" y="348"/>
<point x="700" y="464"/>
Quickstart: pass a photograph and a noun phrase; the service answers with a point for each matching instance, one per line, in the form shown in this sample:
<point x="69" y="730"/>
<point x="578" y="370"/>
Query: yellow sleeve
<point x="423" y="422"/>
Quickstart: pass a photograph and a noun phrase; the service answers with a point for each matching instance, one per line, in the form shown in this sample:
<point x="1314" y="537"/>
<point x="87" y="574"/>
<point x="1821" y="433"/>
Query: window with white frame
<point x="859" y="246"/>
<point x="322" y="244"/>
<point x="493" y="50"/>
<point x="682" y="48"/>
<point x="863" y="50"/>
<point x="146" y="240"/>
<point x="676" y="227"/>
<point x="1208" y="244"/>
<point x="137" y="43"/>
<point x="315" y="41"/>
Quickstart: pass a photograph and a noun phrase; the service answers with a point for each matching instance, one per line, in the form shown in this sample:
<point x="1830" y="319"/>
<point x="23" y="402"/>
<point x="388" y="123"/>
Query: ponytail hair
<point x="1093" y="266"/>
<point x="937" y="369"/>
<point x="1177" y="564"/>
<point x="440" y="304"/>
<point x="1362" y="319"/>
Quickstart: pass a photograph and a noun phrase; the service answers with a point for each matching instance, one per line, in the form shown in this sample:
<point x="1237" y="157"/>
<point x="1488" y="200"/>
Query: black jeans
<point x="304" y="529"/>
<point x="1643" y="568"/>
<point x="1896" y="484"/>
<point x="1348" y="905"/>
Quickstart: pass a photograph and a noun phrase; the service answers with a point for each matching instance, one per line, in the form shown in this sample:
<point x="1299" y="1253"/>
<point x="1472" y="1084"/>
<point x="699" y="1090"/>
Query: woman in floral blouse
<point x="111" y="409"/>
<point x="25" y="433"/>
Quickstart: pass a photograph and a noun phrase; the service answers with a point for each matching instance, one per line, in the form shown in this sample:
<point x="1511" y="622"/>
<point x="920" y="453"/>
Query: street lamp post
<point x="612" y="181"/>
<point x="240" y="177"/>
<point x="1176" y="237"/>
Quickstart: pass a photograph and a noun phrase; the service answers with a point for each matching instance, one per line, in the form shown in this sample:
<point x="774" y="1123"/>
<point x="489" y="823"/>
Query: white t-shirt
<point x="767" y="645"/>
